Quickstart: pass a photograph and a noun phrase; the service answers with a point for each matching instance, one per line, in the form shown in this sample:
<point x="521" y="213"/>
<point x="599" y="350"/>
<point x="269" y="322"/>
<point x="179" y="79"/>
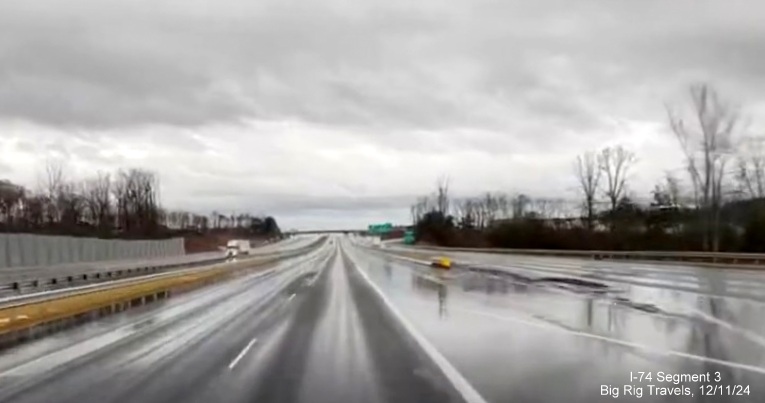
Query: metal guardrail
<point x="696" y="257"/>
<point x="40" y="308"/>
<point x="24" y="299"/>
<point x="32" y="313"/>
<point x="14" y="281"/>
<point x="26" y="271"/>
<point x="61" y="283"/>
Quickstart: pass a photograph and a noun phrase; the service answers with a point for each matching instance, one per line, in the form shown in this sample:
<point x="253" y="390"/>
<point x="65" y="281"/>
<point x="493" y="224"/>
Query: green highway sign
<point x="409" y="237"/>
<point x="380" y="228"/>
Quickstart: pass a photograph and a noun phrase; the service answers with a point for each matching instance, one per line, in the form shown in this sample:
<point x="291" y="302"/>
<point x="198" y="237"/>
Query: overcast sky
<point x="338" y="113"/>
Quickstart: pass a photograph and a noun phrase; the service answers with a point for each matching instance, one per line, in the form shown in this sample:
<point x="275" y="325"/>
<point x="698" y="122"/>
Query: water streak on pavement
<point x="312" y="330"/>
<point x="520" y="339"/>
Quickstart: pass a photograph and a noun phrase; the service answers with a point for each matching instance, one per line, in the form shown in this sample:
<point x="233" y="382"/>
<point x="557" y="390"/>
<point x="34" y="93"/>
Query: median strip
<point x="28" y="319"/>
<point x="115" y="299"/>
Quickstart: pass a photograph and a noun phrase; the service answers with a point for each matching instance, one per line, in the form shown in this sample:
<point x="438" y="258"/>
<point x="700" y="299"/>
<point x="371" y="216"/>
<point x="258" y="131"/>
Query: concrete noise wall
<point x="19" y="250"/>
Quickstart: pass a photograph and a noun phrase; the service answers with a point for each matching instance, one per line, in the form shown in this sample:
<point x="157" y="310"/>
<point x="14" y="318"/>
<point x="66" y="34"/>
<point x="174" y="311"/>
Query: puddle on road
<point x="533" y="334"/>
<point x="716" y="328"/>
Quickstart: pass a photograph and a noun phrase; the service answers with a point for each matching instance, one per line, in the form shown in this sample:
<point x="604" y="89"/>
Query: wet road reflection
<point x="518" y="338"/>
<point x="432" y="286"/>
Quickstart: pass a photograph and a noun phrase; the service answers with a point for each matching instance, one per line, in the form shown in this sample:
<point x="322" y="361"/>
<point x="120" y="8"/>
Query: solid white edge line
<point x="469" y="394"/>
<point x="753" y="337"/>
<point x="241" y="354"/>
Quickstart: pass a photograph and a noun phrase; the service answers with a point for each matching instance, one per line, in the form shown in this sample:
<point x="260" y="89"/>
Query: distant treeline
<point x="720" y="208"/>
<point x="121" y="205"/>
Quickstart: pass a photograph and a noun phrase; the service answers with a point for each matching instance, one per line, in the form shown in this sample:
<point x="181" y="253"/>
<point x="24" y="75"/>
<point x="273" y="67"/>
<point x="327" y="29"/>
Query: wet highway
<point x="19" y="281"/>
<point x="310" y="331"/>
<point x="549" y="329"/>
<point x="285" y="245"/>
<point x="347" y="324"/>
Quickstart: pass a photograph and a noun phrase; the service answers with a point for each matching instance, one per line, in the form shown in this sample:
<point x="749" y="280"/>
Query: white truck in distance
<point x="237" y="247"/>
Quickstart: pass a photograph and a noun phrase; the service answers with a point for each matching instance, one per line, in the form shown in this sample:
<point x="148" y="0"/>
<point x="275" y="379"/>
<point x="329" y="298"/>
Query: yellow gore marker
<point x="442" y="262"/>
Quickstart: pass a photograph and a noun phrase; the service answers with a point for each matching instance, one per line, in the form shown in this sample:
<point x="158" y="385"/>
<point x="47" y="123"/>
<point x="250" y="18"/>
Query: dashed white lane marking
<point x="242" y="354"/>
<point x="469" y="394"/>
<point x="291" y="297"/>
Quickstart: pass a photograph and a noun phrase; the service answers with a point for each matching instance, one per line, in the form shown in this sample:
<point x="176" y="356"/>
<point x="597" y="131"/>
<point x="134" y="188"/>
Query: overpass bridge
<point x="395" y="232"/>
<point x="332" y="231"/>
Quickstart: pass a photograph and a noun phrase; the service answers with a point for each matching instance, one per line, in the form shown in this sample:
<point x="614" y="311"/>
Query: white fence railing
<point x="20" y="250"/>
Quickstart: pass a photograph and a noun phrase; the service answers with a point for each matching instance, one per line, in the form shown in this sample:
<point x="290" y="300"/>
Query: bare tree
<point x="543" y="207"/>
<point x="466" y="212"/>
<point x="707" y="142"/>
<point x="53" y="182"/>
<point x="442" y="195"/>
<point x="520" y="204"/>
<point x="70" y="205"/>
<point x="97" y="195"/>
<point x="615" y="163"/>
<point x="491" y="208"/>
<point x="188" y="220"/>
<point x="673" y="189"/>
<point x="11" y="196"/>
<point x="197" y="221"/>
<point x="172" y="219"/>
<point x="588" y="175"/>
<point x="555" y="207"/>
<point x="419" y="208"/>
<point x="503" y="204"/>
<point x="34" y="211"/>
<point x="458" y="210"/>
<point x="136" y="195"/>
<point x="214" y="216"/>
<point x="481" y="212"/>
<point x="750" y="174"/>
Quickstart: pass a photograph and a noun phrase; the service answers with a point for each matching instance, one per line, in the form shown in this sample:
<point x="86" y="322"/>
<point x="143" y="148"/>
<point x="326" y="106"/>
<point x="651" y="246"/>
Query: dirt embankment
<point x="203" y="243"/>
<point x="213" y="242"/>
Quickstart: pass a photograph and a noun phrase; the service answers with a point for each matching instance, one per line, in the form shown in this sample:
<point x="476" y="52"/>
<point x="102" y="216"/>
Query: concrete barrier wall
<point x="18" y="250"/>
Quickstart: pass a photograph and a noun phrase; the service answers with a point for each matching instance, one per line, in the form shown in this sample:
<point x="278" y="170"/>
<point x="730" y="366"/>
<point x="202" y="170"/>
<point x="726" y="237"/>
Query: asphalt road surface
<point x="18" y="281"/>
<point x="313" y="332"/>
<point x="345" y="324"/>
<point x="550" y="329"/>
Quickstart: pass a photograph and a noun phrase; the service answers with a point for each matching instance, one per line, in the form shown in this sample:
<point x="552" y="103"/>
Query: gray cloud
<point x="5" y="168"/>
<point x="421" y="82"/>
<point x="286" y="204"/>
<point x="367" y="64"/>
